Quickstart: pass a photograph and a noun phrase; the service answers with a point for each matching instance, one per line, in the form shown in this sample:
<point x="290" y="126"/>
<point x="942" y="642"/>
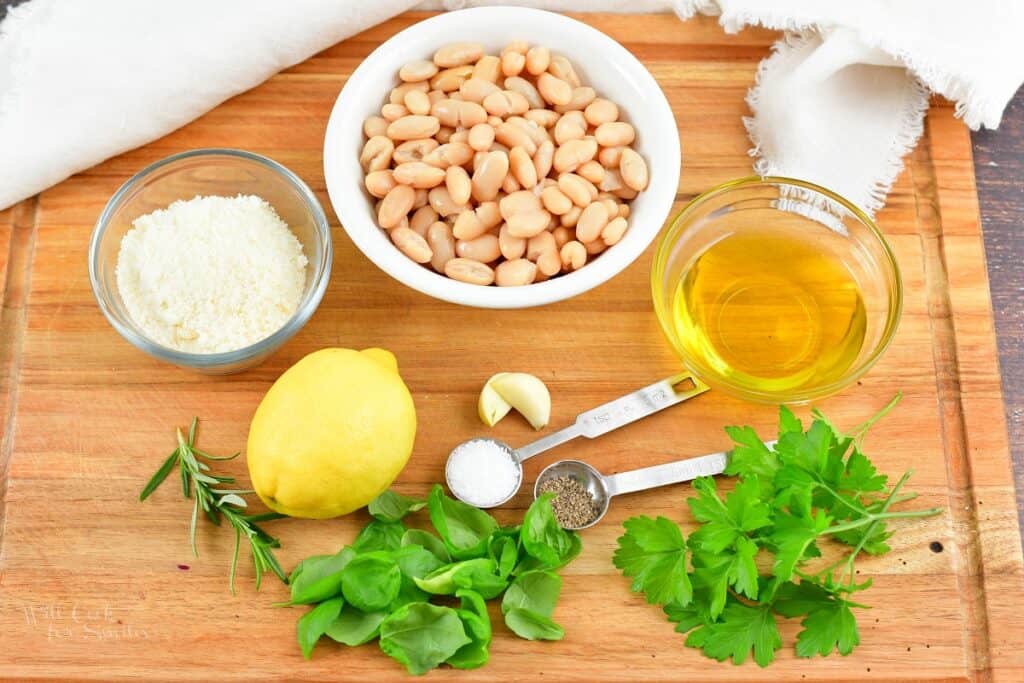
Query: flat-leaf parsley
<point x="808" y="487"/>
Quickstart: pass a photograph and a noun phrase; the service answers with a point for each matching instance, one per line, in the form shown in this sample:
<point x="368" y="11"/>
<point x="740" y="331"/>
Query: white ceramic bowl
<point x="601" y="63"/>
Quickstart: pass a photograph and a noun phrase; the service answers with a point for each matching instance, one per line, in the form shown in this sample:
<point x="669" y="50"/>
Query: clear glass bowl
<point x="224" y="172"/>
<point x="826" y="221"/>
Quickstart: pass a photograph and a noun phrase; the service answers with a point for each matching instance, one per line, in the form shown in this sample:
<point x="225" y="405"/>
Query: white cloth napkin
<point x="839" y="101"/>
<point x="843" y="96"/>
<point x="83" y="81"/>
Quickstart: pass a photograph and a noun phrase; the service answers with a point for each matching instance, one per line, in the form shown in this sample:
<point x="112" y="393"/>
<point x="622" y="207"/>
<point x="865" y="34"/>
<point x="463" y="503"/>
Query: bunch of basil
<point x="381" y="585"/>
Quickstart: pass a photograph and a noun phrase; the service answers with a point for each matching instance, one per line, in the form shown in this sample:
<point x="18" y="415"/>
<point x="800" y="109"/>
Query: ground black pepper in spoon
<point x="573" y="504"/>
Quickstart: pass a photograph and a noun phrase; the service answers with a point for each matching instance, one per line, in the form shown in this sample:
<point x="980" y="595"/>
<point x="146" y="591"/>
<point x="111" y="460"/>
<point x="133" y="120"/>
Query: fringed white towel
<point x="839" y="102"/>
<point x="842" y="97"/>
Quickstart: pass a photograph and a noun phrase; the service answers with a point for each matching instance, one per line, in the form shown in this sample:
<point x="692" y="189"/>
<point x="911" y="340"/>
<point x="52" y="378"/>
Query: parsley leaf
<point x="788" y="422"/>
<point x="860" y="474"/>
<point x="750" y="457"/>
<point x="828" y="628"/>
<point x="688" y="617"/>
<point x="800" y="599"/>
<point x="793" y="538"/>
<point x="726" y="522"/>
<point x="653" y="552"/>
<point x="743" y="570"/>
<point x="742" y="628"/>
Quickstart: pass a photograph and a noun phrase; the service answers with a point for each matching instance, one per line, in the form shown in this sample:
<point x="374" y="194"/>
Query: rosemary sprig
<point x="204" y="489"/>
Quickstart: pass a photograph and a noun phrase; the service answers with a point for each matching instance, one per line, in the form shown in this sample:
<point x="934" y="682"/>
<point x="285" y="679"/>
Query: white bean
<point x="439" y="237"/>
<point x="458" y="54"/>
<point x="467" y="270"/>
<point x="515" y="273"/>
<point x="411" y="244"/>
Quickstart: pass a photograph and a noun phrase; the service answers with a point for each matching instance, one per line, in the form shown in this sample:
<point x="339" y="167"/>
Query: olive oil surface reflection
<point x="770" y="312"/>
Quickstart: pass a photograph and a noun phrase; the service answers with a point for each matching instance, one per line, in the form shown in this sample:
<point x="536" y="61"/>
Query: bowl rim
<point x="307" y="305"/>
<point x="892" y="320"/>
<point x="565" y="286"/>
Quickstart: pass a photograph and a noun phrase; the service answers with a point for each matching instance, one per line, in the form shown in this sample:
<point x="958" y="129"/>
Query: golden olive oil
<point x="770" y="312"/>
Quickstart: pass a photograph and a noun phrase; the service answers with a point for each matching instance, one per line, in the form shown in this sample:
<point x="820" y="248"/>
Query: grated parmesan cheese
<point x="211" y="274"/>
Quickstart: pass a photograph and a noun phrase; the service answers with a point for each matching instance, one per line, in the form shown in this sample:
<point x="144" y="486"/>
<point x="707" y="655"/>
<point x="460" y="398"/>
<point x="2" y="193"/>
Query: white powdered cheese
<point x="211" y="274"/>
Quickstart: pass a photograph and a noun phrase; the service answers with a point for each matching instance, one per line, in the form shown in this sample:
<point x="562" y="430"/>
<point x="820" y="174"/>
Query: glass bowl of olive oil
<point x="776" y="290"/>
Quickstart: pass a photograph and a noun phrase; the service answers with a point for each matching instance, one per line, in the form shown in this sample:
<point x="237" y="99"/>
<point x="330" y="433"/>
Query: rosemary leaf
<point x="160" y="475"/>
<point x="265" y="516"/>
<point x="192" y="527"/>
<point x="204" y="454"/>
<point x="234" y="561"/>
<point x="232" y="499"/>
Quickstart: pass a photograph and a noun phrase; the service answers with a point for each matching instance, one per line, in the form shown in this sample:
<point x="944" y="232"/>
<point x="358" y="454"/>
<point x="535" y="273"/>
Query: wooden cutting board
<point x="95" y="585"/>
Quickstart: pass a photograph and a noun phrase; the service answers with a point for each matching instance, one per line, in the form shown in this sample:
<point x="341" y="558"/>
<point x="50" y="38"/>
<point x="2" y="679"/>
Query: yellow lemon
<point x="331" y="434"/>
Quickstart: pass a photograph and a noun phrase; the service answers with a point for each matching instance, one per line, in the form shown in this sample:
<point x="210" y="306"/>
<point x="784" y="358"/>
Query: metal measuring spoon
<point x="602" y="487"/>
<point x="590" y="424"/>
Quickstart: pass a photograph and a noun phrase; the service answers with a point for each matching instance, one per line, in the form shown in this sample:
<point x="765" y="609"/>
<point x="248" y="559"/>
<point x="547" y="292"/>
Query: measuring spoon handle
<point x="669" y="473"/>
<point x="639" y="404"/>
<point x="620" y="412"/>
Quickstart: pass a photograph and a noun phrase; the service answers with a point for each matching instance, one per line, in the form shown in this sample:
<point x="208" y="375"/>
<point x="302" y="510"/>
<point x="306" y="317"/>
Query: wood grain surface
<point x="94" y="585"/>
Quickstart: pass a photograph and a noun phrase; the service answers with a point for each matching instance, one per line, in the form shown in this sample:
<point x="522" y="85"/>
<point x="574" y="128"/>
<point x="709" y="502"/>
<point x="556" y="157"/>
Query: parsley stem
<point x="874" y="518"/>
<point x="856" y="508"/>
<point x="871" y="517"/>
<point x="904" y="498"/>
<point x="862" y="429"/>
<point x="848" y="569"/>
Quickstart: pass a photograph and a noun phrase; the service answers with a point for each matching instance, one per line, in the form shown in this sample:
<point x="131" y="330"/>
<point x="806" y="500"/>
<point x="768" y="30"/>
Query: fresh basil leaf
<point x="532" y="626"/>
<point x="530" y="563"/>
<point x="481" y="579"/>
<point x="442" y="580"/>
<point x="392" y="507"/>
<point x="315" y="622"/>
<point x="541" y="535"/>
<point x="415" y="561"/>
<point x="371" y="581"/>
<point x="505" y="551"/>
<point x="422" y="636"/>
<point x="472" y="601"/>
<point x="429" y="541"/>
<point x="464" y="529"/>
<point x="408" y="593"/>
<point x="477" y="622"/>
<point x="536" y="591"/>
<point x="379" y="536"/>
<point x="448" y="579"/>
<point x="318" y="578"/>
<point x="355" y="627"/>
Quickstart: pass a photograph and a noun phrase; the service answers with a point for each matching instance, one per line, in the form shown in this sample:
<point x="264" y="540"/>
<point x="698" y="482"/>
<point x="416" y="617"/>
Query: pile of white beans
<point x="500" y="170"/>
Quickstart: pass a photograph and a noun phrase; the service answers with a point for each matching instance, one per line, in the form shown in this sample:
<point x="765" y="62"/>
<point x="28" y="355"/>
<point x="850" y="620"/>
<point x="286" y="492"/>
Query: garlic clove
<point x="526" y="393"/>
<point x="491" y="406"/>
